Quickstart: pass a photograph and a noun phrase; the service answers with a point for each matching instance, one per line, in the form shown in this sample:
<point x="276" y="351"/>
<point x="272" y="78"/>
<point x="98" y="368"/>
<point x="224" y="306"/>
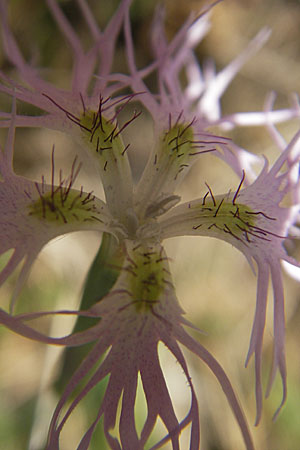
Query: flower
<point x="142" y="309"/>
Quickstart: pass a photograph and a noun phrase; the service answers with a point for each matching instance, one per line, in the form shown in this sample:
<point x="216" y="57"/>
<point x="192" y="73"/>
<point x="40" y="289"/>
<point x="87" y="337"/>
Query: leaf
<point x="101" y="277"/>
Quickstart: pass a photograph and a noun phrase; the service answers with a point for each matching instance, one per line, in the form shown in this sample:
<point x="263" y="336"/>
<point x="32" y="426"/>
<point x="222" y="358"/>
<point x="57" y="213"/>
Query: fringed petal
<point x="35" y="213"/>
<point x="159" y="404"/>
<point x="221" y="376"/>
<point x="208" y="104"/>
<point x="256" y="341"/>
<point x="16" y="324"/>
<point x="89" y="362"/>
<point x="128" y="433"/>
<point x="278" y="362"/>
<point x="84" y="65"/>
<point x="253" y="221"/>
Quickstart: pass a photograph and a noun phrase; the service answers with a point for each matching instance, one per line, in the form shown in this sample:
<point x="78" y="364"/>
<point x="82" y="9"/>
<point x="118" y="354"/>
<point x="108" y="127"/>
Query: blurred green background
<point x="214" y="283"/>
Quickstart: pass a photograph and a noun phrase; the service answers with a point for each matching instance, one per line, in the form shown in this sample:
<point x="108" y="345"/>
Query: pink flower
<point x="142" y="310"/>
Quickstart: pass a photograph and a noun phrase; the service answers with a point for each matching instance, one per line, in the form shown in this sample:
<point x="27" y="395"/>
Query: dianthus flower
<point x="142" y="309"/>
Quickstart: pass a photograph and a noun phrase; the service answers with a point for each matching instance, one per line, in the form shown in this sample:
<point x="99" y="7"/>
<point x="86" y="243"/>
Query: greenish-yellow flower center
<point x="148" y="277"/>
<point x="175" y="148"/>
<point x="104" y="137"/>
<point x="233" y="218"/>
<point x="62" y="206"/>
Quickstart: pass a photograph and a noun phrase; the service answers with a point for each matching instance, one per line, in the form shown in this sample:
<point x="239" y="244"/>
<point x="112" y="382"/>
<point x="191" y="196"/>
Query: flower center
<point x="148" y="275"/>
<point x="61" y="206"/>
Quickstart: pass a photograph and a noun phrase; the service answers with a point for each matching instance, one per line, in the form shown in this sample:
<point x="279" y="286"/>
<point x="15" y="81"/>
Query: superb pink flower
<point x="142" y="309"/>
<point x="139" y="312"/>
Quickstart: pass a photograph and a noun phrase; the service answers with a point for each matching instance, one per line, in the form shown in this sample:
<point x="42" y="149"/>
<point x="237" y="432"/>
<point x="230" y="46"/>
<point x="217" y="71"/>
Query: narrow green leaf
<point x="101" y="277"/>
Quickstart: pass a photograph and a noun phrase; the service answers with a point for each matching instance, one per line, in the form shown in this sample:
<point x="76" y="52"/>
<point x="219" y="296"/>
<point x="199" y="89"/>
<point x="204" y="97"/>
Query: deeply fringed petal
<point x="253" y="221"/>
<point x="219" y="373"/>
<point x="141" y="311"/>
<point x="84" y="62"/>
<point x="257" y="334"/>
<point x="201" y="97"/>
<point x="103" y="48"/>
<point x="193" y="108"/>
<point x="91" y="118"/>
<point x="33" y="213"/>
<point x="56" y="102"/>
<point x="216" y="84"/>
<point x="136" y="315"/>
<point x="142" y="308"/>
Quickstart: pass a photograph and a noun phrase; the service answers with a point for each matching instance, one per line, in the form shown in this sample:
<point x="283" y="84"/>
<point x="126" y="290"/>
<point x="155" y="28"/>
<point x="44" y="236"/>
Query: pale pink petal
<point x="256" y="341"/>
<point x="128" y="433"/>
<point x="279" y="334"/>
<point x="259" y="235"/>
<point x="217" y="85"/>
<point x="221" y="376"/>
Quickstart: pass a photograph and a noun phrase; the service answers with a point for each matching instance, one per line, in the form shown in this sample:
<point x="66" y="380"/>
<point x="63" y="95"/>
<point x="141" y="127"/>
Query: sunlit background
<point x="214" y="282"/>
